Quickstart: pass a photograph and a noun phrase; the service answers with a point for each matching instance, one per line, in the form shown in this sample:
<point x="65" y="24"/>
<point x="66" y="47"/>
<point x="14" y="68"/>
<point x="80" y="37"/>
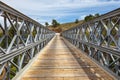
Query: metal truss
<point x="21" y="38"/>
<point x="100" y="40"/>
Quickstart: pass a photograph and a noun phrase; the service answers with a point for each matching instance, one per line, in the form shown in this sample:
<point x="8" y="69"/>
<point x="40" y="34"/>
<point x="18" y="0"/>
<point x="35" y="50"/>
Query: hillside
<point x="65" y="26"/>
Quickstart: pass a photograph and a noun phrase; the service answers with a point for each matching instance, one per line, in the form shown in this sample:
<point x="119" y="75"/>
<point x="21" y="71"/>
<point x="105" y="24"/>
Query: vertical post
<point x="6" y="32"/>
<point x="17" y="32"/>
<point x="119" y="36"/>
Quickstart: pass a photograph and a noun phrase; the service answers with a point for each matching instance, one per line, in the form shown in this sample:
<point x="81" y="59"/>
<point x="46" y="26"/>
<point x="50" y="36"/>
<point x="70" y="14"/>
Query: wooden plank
<point x="57" y="62"/>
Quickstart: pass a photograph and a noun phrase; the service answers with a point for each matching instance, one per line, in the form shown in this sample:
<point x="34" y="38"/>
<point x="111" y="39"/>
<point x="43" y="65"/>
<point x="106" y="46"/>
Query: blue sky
<point x="62" y="10"/>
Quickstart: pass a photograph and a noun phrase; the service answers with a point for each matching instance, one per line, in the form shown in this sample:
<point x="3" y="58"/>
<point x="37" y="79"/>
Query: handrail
<point x="102" y="17"/>
<point x="100" y="40"/>
<point x="8" y="9"/>
<point x="21" y="38"/>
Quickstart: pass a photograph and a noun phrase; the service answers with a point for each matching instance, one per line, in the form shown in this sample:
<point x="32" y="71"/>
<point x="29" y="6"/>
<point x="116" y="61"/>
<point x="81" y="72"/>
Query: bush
<point x="76" y="21"/>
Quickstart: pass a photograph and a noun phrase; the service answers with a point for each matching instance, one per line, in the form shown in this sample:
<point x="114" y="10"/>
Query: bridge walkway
<point x="60" y="60"/>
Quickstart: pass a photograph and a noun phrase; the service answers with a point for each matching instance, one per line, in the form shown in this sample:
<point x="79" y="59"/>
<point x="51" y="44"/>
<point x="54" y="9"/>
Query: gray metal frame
<point x="21" y="38"/>
<point x="100" y="40"/>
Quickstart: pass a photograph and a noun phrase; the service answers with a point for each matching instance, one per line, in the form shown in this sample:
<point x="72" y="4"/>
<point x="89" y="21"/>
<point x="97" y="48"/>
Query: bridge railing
<point x="100" y="40"/>
<point x="21" y="38"/>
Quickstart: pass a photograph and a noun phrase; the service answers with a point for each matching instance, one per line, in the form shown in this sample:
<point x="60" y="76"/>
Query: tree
<point x="76" y="21"/>
<point x="55" y="23"/>
<point x="97" y="15"/>
<point x="46" y="23"/>
<point x="90" y="17"/>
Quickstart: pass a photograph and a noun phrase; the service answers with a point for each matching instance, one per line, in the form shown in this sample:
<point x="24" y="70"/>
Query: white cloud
<point x="55" y="8"/>
<point x="82" y="17"/>
<point x="44" y="5"/>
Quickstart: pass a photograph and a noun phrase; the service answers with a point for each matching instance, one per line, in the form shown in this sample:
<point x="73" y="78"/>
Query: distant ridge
<point x="65" y="26"/>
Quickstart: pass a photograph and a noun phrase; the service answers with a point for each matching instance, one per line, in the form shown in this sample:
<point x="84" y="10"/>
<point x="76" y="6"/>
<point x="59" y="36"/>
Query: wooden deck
<point x="60" y="60"/>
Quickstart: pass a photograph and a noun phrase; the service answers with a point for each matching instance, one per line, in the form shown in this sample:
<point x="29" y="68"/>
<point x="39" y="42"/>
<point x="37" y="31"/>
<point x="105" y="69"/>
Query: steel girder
<point x="21" y="38"/>
<point x="100" y="40"/>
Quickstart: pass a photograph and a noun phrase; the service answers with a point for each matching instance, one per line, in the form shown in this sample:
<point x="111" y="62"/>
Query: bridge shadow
<point x="86" y="67"/>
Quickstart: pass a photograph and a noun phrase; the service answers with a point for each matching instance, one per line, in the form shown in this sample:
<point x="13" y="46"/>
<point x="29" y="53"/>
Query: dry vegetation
<point x="65" y="26"/>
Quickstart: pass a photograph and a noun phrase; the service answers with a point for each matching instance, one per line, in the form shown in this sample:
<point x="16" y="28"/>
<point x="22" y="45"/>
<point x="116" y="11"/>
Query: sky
<point x="62" y="10"/>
